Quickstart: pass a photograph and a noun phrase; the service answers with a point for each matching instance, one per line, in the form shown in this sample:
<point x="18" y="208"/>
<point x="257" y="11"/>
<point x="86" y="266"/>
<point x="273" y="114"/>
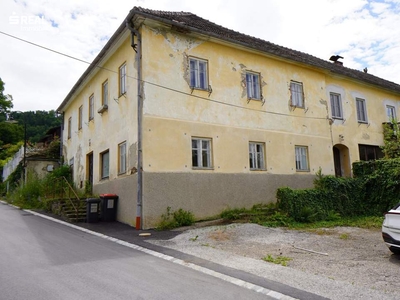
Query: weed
<point x="279" y="260"/>
<point x="194" y="239"/>
<point x="344" y="236"/>
<point x="175" y="219"/>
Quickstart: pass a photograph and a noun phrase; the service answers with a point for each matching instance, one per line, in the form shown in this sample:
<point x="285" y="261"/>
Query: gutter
<point x="138" y="49"/>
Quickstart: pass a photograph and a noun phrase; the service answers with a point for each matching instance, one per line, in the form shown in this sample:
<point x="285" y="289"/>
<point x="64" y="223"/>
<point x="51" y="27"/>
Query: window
<point x="80" y="117"/>
<point x="361" y="110"/>
<point x="122" y="158"/>
<point x="296" y="94"/>
<point x="69" y="127"/>
<point x="336" y="106"/>
<point x="104" y="93"/>
<point x="256" y="156"/>
<point x="391" y="113"/>
<point x="122" y="79"/>
<point x="253" y="86"/>
<point x="301" y="156"/>
<point x="91" y="107"/>
<point x="105" y="164"/>
<point x="368" y="152"/>
<point x="198" y="74"/>
<point x="201" y="153"/>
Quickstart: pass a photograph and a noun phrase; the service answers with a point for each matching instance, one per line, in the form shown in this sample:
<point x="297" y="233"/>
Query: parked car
<point x="391" y="229"/>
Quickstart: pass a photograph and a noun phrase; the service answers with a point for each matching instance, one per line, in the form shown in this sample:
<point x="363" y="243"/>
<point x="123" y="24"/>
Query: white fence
<point x="12" y="164"/>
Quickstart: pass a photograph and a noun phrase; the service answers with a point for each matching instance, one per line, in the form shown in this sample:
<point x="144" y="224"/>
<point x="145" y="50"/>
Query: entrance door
<point x="90" y="170"/>
<point x="336" y="159"/>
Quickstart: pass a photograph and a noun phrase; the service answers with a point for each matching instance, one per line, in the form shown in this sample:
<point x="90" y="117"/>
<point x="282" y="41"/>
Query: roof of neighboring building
<point x="190" y="22"/>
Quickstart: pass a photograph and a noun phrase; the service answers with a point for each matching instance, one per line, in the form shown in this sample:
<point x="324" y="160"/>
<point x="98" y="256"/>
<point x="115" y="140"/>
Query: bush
<point x="175" y="219"/>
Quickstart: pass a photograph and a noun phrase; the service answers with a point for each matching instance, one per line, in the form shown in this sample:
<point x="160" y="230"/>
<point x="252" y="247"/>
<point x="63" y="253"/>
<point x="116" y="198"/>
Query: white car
<point x="391" y="229"/>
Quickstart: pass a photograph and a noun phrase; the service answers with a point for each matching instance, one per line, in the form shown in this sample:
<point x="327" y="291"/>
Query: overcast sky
<point x="365" y="33"/>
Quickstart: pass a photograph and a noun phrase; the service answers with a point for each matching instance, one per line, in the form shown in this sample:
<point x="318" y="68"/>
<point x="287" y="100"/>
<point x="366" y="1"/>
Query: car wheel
<point x="394" y="250"/>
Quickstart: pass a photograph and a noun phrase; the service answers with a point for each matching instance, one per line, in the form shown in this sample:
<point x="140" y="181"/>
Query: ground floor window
<point x="301" y="157"/>
<point x="368" y="152"/>
<point x="105" y="164"/>
<point x="256" y="156"/>
<point x="201" y="153"/>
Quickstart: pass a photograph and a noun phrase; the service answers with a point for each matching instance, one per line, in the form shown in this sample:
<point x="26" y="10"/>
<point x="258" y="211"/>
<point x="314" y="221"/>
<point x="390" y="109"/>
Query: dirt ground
<point x="346" y="254"/>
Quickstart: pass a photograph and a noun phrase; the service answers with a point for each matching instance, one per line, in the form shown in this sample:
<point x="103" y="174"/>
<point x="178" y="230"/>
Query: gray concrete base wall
<point x="126" y="189"/>
<point x="207" y="194"/>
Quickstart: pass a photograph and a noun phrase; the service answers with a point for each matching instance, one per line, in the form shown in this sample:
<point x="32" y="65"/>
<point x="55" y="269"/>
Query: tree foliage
<point x="391" y="139"/>
<point x="5" y="101"/>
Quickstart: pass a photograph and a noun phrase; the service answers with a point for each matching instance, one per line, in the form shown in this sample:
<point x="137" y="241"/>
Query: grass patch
<point x="344" y="236"/>
<point x="279" y="260"/>
<point x="270" y="216"/>
<point x="173" y="219"/>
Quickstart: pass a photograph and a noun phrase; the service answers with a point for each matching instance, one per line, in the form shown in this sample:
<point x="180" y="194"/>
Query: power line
<point x="161" y="86"/>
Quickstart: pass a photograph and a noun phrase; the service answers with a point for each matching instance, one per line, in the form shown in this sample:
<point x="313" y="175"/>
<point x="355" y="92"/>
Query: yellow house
<point x="178" y="111"/>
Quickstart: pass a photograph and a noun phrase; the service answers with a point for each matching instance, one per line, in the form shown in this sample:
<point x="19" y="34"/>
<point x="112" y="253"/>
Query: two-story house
<point x="178" y="111"/>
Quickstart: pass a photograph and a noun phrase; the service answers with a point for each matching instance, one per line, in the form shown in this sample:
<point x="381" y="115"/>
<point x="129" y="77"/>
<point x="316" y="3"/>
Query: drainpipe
<point x="138" y="49"/>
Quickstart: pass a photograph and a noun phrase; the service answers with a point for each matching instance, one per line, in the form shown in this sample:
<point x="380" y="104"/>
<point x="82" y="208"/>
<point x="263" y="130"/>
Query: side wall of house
<point x="105" y="130"/>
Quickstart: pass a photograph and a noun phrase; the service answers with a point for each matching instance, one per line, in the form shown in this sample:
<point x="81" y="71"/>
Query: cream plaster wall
<point x="107" y="130"/>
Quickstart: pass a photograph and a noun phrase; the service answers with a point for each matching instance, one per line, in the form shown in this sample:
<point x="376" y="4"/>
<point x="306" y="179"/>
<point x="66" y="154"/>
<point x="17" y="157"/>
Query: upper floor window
<point x="122" y="79"/>
<point x="122" y="158"/>
<point x="198" y="74"/>
<point x="361" y="110"/>
<point x="301" y="156"/>
<point x="201" y="153"/>
<point x="336" y="106"/>
<point x="80" y="117"/>
<point x="253" y="85"/>
<point x="256" y="156"/>
<point x="91" y="107"/>
<point x="296" y="94"/>
<point x="104" y="93"/>
<point x="391" y="113"/>
<point x="69" y="127"/>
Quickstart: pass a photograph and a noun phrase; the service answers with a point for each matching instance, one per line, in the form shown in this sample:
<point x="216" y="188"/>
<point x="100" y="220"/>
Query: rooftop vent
<point x="335" y="59"/>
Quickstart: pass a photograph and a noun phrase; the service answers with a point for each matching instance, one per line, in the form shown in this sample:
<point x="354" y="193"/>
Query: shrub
<point x="173" y="219"/>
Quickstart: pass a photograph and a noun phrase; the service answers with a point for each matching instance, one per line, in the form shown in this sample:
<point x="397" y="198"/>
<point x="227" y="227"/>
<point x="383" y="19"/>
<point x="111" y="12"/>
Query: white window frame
<point x="198" y="69"/>
<point x="122" y="79"/>
<point x="91" y="107"/>
<point x="201" y="153"/>
<point x="80" y="114"/>
<point x="256" y="156"/>
<point x="105" y="164"/>
<point x="104" y="93"/>
<point x="336" y="105"/>
<point x="122" y="158"/>
<point x="391" y="113"/>
<point x="253" y="85"/>
<point x="301" y="159"/>
<point x="296" y="94"/>
<point x="361" y="107"/>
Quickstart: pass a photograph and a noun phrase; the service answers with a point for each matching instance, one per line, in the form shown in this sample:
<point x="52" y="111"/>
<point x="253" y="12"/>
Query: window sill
<point x="303" y="171"/>
<point x="202" y="168"/>
<point x="260" y="170"/>
<point x="122" y="95"/>
<point x="102" y="109"/>
<point x="362" y="122"/>
<point x="105" y="178"/>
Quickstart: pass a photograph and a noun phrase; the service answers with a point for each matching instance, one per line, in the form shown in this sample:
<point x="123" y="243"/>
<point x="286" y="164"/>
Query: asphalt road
<point x="40" y="259"/>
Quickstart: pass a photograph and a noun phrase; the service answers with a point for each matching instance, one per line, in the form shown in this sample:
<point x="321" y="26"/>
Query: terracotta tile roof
<point x="190" y="21"/>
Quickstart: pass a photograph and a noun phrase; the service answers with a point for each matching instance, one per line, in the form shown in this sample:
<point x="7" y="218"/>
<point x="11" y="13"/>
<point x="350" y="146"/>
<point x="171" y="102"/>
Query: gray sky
<point x="365" y="33"/>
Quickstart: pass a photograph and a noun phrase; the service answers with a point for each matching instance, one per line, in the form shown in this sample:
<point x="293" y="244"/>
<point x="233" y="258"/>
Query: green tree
<point x="5" y="101"/>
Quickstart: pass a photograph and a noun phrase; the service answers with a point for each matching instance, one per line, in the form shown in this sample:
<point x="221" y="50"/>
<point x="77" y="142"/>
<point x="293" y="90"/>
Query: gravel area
<point x="337" y="263"/>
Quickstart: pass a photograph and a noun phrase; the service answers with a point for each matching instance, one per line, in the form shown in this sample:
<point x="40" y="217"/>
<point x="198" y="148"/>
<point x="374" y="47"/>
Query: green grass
<point x="279" y="260"/>
<point x="269" y="216"/>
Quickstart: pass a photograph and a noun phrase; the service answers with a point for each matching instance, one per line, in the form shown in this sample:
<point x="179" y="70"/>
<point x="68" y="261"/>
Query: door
<point x="90" y="170"/>
<point x="336" y="159"/>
